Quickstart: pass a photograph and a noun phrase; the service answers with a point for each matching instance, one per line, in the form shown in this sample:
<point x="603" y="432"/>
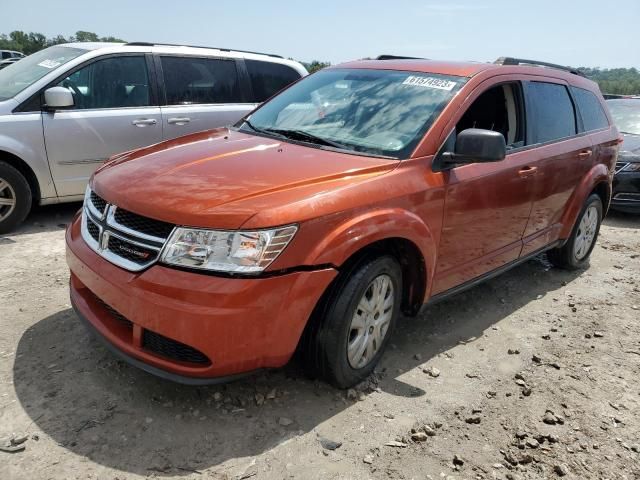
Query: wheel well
<point x="602" y="190"/>
<point x="25" y="170"/>
<point x="411" y="261"/>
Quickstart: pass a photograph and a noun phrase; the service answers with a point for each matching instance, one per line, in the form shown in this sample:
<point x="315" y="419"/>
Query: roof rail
<point x="152" y="44"/>
<point x="398" y="57"/>
<point x="522" y="61"/>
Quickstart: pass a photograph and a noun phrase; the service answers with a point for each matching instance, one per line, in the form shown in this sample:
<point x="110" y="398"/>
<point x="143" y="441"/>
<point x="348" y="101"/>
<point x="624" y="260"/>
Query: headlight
<point x="631" y="167"/>
<point x="226" y="251"/>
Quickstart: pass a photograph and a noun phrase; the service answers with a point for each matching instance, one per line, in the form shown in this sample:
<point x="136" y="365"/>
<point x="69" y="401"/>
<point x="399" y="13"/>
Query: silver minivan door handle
<point x="178" y="120"/>
<point x="143" y="122"/>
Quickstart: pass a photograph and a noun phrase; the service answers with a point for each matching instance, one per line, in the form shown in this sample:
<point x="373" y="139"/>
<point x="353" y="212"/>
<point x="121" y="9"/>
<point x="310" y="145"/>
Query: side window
<point x="115" y="82"/>
<point x="193" y="80"/>
<point x="269" y="78"/>
<point x="6" y="55"/>
<point x="552" y="114"/>
<point x="593" y="116"/>
<point x="498" y="109"/>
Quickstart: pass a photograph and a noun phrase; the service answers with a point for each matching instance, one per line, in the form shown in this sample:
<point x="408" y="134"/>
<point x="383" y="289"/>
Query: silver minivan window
<point x="18" y="76"/>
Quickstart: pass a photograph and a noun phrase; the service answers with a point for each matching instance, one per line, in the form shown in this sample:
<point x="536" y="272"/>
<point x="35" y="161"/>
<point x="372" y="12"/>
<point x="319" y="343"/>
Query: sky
<point x="578" y="33"/>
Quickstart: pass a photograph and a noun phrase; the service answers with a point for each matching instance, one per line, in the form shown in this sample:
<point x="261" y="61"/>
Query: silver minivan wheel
<point x="370" y="322"/>
<point x="7" y="199"/>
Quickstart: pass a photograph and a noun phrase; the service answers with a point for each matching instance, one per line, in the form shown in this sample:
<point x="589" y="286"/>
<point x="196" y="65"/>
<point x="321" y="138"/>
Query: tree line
<point x="621" y="81"/>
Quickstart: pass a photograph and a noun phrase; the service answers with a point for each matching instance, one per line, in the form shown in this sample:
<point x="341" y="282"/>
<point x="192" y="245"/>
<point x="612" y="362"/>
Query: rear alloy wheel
<point x="15" y="197"/>
<point x="354" y="321"/>
<point x="574" y="254"/>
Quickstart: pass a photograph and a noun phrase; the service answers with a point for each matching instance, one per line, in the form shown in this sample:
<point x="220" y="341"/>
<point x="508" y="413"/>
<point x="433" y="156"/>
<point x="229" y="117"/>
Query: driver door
<point x="487" y="205"/>
<point x="114" y="111"/>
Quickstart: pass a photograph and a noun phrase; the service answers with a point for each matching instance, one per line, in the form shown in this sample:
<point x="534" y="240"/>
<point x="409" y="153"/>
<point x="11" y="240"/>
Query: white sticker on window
<point x="429" y="82"/>
<point x="49" y="64"/>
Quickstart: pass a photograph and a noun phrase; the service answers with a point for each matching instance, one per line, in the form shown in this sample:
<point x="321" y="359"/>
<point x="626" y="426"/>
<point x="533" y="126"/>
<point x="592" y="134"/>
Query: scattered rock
<point x="429" y="431"/>
<point x="217" y="396"/>
<point x="536" y="359"/>
<point x="352" y="394"/>
<point x="368" y="459"/>
<point x="474" y="420"/>
<point x="419" y="436"/>
<point x="458" y="460"/>
<point x="551" y="419"/>
<point x="329" y="444"/>
<point x="259" y="399"/>
<point x="513" y="351"/>
<point x="598" y="334"/>
<point x="418" y="357"/>
<point x="284" y="421"/>
<point x="431" y="371"/>
<point x="394" y="443"/>
<point x="561" y="470"/>
<point x="271" y="395"/>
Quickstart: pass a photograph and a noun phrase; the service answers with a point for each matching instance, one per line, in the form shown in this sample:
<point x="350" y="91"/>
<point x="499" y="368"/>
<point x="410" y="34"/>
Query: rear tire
<point x="353" y="323"/>
<point x="15" y="197"/>
<point x="575" y="253"/>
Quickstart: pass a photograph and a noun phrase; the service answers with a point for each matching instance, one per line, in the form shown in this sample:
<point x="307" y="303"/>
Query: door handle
<point x="585" y="154"/>
<point x="527" y="171"/>
<point x="178" y="120"/>
<point x="143" y="122"/>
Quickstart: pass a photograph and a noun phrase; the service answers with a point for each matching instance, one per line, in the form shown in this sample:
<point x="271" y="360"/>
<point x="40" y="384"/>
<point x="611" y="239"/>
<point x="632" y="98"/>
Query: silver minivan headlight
<point x="241" y="251"/>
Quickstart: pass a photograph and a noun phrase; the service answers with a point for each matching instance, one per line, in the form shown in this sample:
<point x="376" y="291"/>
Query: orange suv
<point x="358" y="193"/>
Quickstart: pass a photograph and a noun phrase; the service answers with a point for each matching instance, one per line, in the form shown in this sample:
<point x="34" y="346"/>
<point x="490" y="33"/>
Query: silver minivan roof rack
<point x="152" y="44"/>
<point x="522" y="61"/>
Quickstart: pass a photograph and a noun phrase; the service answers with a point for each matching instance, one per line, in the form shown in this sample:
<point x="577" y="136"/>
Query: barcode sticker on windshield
<point x="49" y="64"/>
<point x="429" y="82"/>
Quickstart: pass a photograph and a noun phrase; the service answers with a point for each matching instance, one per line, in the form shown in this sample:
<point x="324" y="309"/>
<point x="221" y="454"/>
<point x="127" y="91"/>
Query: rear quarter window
<point x="593" y="116"/>
<point x="551" y="112"/>
<point x="269" y="78"/>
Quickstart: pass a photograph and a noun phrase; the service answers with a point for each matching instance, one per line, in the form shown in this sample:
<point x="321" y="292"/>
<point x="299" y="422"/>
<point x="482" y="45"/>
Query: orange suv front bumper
<point x="191" y="327"/>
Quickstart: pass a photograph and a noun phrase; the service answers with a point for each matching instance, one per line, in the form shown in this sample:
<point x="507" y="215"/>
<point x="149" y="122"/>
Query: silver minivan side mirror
<point x="58" y="97"/>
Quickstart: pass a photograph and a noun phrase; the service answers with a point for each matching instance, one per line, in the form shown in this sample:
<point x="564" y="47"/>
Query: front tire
<point x="575" y="253"/>
<point x="357" y="319"/>
<point x="15" y="197"/>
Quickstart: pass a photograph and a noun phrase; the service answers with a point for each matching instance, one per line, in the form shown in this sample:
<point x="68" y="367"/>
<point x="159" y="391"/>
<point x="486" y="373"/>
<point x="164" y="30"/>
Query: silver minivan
<point x="66" y="109"/>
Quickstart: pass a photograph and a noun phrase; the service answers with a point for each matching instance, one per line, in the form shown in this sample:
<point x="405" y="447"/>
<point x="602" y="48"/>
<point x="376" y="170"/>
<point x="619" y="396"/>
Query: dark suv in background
<point x="626" y="183"/>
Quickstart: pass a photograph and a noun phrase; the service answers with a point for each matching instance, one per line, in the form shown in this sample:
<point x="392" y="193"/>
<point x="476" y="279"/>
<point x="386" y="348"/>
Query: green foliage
<point x="315" y="65"/>
<point x="31" y="42"/>
<point x="620" y="81"/>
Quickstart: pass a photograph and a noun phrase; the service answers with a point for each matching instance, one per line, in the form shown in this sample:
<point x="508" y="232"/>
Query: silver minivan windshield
<point x="17" y="77"/>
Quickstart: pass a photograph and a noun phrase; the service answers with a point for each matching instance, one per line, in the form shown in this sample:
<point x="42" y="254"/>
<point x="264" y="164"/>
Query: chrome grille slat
<point x="120" y="244"/>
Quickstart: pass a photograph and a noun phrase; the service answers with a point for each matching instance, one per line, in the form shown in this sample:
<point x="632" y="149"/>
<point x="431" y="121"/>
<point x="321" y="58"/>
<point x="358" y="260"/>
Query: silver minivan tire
<point x="15" y="197"/>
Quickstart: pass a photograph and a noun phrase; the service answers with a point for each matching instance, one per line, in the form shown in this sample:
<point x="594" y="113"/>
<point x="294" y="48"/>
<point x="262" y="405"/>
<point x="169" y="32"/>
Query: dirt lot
<point x="537" y="376"/>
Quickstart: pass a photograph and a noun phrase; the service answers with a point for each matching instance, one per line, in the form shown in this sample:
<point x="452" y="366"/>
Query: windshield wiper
<point x="305" y="137"/>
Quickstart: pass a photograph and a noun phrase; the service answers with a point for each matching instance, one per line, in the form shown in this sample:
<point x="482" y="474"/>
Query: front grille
<point x="172" y="349"/>
<point x="112" y="312"/>
<point x="149" y="226"/>
<point x="620" y="166"/>
<point x="130" y="251"/>
<point x="99" y="203"/>
<point x="126" y="239"/>
<point x="94" y="230"/>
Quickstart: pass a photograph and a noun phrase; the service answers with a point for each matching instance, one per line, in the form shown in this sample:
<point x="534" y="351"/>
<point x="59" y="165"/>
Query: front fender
<point x="355" y="233"/>
<point x="598" y="174"/>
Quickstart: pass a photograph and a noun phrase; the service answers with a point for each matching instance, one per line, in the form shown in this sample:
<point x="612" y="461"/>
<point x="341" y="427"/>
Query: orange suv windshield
<point x="375" y="112"/>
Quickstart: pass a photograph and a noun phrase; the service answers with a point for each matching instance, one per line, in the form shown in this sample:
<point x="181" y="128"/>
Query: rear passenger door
<point x="268" y="78"/>
<point x="560" y="155"/>
<point x="200" y="93"/>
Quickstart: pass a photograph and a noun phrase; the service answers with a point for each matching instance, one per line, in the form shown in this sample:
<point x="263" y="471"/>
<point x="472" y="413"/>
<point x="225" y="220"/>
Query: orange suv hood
<point x="221" y="178"/>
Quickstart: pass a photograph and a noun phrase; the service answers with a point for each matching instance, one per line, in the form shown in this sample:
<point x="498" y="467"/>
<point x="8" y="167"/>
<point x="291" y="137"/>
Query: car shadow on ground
<point x="113" y="414"/>
<point x="45" y="218"/>
<point x="622" y="220"/>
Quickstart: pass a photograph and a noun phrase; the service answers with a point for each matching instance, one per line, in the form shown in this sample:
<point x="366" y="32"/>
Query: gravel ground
<point x="531" y="375"/>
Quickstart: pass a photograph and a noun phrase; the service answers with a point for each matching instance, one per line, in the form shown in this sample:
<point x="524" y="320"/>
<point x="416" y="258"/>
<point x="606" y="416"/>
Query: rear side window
<point x="6" y="55"/>
<point x="593" y="116"/>
<point x="551" y="112"/>
<point x="193" y="80"/>
<point x="269" y="78"/>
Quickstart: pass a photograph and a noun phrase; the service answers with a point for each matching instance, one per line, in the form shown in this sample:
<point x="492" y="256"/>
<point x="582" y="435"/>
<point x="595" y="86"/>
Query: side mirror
<point x="476" y="145"/>
<point x="58" y="97"/>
